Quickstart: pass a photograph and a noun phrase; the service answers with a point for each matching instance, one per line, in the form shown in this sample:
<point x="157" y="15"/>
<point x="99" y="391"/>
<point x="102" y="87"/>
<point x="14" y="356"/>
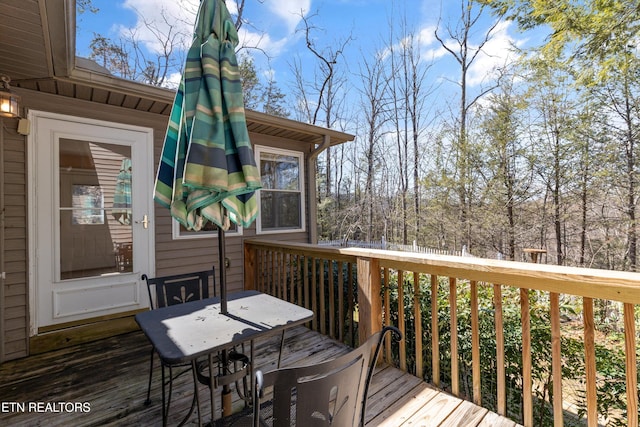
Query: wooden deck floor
<point x="105" y="382"/>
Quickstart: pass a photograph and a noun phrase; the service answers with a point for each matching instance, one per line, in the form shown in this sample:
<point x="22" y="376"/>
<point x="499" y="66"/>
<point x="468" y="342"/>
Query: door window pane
<point x="95" y="231"/>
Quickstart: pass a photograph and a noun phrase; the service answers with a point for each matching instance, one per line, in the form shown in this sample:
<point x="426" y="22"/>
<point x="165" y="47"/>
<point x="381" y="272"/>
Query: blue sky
<point x="274" y="26"/>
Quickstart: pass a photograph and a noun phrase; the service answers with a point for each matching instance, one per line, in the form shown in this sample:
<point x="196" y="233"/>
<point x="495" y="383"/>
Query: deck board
<point x="111" y="376"/>
<point x="435" y="411"/>
<point x="466" y="412"/>
<point x="406" y="407"/>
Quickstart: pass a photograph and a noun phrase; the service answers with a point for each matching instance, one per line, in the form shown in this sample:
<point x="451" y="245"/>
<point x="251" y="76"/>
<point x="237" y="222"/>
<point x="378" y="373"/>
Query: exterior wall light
<point x="8" y="100"/>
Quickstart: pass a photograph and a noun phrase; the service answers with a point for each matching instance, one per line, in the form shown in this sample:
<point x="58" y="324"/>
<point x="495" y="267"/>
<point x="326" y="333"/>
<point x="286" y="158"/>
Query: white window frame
<point x="177" y="233"/>
<point x="259" y="149"/>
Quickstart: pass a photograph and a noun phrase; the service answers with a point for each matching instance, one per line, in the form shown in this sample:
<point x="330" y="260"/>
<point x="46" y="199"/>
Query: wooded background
<point x="542" y="155"/>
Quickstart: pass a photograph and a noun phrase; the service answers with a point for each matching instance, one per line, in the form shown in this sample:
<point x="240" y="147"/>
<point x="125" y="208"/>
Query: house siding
<point x="172" y="256"/>
<point x="15" y="322"/>
<point x="203" y="252"/>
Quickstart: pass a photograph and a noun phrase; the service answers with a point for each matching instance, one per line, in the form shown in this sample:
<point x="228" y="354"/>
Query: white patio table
<point x="182" y="333"/>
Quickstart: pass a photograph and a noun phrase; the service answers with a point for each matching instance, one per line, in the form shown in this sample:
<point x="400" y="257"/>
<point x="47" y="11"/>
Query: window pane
<point x="280" y="210"/>
<point x="209" y="229"/>
<point x="279" y="172"/>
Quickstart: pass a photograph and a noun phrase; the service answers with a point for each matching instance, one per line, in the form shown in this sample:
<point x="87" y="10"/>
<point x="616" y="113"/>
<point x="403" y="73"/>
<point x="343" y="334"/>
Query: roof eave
<point x="59" y="27"/>
<point x="336" y="137"/>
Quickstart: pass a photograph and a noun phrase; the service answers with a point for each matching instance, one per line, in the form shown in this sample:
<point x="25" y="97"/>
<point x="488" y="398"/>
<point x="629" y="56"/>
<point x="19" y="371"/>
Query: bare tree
<point x="167" y="56"/>
<point x="407" y="75"/>
<point x="457" y="42"/>
<point x="154" y="56"/>
<point x="375" y="110"/>
<point x="326" y="85"/>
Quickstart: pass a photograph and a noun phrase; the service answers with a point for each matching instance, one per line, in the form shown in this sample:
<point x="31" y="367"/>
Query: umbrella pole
<point x="226" y="391"/>
<point x="223" y="270"/>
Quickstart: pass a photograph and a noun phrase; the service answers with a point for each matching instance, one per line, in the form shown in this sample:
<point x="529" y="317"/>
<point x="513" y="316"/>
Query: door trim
<point x="32" y="202"/>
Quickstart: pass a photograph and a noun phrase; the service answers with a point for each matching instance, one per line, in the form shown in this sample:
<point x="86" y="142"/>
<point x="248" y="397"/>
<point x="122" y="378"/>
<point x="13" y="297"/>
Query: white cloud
<point x="430" y="47"/>
<point x="428" y="39"/>
<point x="496" y="53"/>
<point x="163" y="17"/>
<point x="264" y="42"/>
<point x="159" y="19"/>
<point x="289" y="11"/>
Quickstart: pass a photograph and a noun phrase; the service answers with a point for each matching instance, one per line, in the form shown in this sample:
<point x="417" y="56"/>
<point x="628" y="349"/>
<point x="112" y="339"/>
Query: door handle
<point x="144" y="222"/>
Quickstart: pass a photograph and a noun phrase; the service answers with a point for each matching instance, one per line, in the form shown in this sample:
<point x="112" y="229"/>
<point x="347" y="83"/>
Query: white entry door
<point x="91" y="211"/>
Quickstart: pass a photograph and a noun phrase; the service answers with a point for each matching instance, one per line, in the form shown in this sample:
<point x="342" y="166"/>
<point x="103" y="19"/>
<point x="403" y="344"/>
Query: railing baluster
<point x="590" y="362"/>
<point x="351" y="303"/>
<point x="340" y="301"/>
<point x="387" y="312"/>
<point x="305" y="280"/>
<point x="299" y="283"/>
<point x="322" y="284"/>
<point x="475" y="344"/>
<point x="631" y="366"/>
<point x="332" y="301"/>
<point x="435" y="337"/>
<point x="291" y="281"/>
<point x="401" y="321"/>
<point x="283" y="276"/>
<point x="417" y="315"/>
<point x="272" y="277"/>
<point x="453" y="307"/>
<point x="260" y="269"/>
<point x="263" y="269"/>
<point x="269" y="272"/>
<point x="500" y="368"/>
<point x="527" y="383"/>
<point x="314" y="293"/>
<point x="556" y="361"/>
<point x="282" y="272"/>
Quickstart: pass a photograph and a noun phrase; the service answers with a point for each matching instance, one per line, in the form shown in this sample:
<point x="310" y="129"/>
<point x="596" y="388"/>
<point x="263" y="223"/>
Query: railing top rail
<point x="593" y="283"/>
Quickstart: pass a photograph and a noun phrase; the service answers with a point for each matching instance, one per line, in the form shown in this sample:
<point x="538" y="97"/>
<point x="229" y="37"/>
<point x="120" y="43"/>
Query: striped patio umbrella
<point x="122" y="194"/>
<point x="207" y="171"/>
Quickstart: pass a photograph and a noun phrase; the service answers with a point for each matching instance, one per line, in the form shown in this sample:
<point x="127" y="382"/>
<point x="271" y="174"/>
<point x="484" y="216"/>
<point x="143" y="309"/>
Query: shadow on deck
<point x="104" y="384"/>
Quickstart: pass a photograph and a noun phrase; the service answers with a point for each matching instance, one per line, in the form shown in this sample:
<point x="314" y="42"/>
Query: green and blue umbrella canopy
<point x="207" y="171"/>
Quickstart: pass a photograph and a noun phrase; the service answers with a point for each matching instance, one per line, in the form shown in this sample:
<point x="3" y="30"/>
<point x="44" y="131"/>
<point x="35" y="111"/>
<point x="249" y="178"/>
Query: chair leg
<point x="195" y="401"/>
<point x="196" y="395"/>
<point x="252" y="372"/>
<point x="281" y="348"/>
<point x="168" y="399"/>
<point x="165" y="409"/>
<point x="246" y="396"/>
<point x="148" y="401"/>
<point x="212" y="389"/>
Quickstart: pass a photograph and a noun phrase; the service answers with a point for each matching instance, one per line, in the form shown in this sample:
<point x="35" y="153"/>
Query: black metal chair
<point x="170" y="290"/>
<point x="332" y="393"/>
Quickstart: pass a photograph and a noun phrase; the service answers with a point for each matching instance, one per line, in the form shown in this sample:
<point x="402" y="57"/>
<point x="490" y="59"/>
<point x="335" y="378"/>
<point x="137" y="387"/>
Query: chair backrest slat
<point x="179" y="288"/>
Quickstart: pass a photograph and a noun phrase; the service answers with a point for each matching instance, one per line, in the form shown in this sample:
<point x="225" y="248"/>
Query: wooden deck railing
<point x="348" y="286"/>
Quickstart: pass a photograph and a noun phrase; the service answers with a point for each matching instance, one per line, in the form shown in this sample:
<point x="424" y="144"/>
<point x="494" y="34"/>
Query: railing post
<point x="369" y="299"/>
<point x="250" y="267"/>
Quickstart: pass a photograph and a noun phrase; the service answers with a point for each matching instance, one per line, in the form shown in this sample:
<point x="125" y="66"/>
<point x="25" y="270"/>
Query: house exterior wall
<point x="13" y="244"/>
<point x="172" y="256"/>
